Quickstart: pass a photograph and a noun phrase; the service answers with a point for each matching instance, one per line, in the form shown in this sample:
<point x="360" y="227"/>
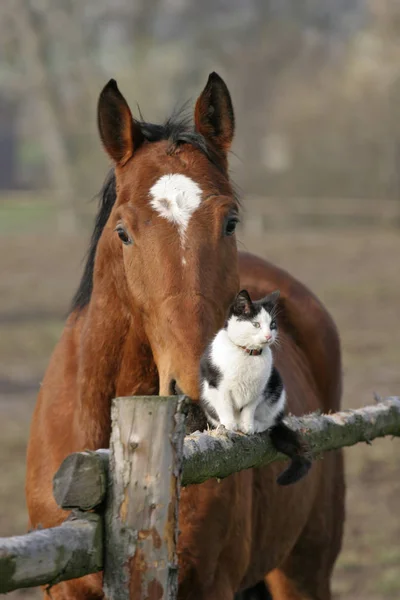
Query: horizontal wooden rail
<point x="81" y="480"/>
<point x="208" y="455"/>
<point x="262" y="214"/>
<point x="212" y="454"/>
<point x="47" y="556"/>
<point x="75" y="548"/>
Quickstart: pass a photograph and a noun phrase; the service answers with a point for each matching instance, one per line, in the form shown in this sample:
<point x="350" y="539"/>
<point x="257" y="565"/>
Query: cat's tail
<point x="288" y="442"/>
<point x="297" y="469"/>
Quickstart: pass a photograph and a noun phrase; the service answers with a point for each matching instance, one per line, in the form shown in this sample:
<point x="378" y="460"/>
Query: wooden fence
<point x="125" y="500"/>
<point x="261" y="215"/>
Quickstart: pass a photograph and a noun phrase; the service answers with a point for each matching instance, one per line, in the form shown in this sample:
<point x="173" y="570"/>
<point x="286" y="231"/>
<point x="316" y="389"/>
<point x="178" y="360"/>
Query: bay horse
<point x="162" y="270"/>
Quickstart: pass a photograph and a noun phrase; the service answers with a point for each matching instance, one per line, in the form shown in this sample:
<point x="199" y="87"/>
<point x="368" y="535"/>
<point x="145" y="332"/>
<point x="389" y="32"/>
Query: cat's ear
<point x="271" y="300"/>
<point x="242" y="304"/>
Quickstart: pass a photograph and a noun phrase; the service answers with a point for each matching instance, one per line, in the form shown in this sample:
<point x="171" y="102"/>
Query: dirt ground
<point x="354" y="272"/>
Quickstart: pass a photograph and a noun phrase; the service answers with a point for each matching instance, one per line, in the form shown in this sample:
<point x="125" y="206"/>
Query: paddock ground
<point x="356" y="274"/>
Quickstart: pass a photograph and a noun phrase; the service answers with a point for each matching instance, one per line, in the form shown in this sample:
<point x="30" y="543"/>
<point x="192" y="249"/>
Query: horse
<point x="161" y="272"/>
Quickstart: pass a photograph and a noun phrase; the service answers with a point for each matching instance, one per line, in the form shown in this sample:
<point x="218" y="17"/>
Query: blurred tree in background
<point x="315" y="86"/>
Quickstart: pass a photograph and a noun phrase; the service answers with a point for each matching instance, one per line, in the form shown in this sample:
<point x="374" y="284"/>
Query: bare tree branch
<point x="48" y="126"/>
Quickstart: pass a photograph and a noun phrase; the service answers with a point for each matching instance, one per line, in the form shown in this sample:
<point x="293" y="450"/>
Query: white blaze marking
<point x="175" y="198"/>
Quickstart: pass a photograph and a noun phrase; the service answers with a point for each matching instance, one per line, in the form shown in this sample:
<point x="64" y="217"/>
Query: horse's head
<point x="169" y="242"/>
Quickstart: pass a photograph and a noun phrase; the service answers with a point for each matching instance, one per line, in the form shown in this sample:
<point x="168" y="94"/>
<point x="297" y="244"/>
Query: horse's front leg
<point x="214" y="546"/>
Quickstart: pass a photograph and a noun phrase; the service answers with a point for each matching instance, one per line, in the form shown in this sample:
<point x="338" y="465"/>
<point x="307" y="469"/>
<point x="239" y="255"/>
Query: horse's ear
<point x="120" y="133"/>
<point x="213" y="115"/>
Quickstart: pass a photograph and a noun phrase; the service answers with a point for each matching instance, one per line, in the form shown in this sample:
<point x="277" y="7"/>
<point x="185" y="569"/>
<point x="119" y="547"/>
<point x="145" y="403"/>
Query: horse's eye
<point x="230" y="225"/>
<point x="257" y="325"/>
<point x="123" y="235"/>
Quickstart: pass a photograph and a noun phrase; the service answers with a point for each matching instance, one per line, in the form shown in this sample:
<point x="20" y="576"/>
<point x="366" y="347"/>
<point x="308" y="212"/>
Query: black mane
<point x="177" y="130"/>
<point x="107" y="198"/>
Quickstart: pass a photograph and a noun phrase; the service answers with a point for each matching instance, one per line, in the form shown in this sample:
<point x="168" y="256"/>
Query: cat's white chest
<point x="243" y="376"/>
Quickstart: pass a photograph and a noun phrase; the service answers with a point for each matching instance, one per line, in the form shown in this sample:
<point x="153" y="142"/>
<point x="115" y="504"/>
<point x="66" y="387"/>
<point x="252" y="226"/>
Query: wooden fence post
<point x="141" y="522"/>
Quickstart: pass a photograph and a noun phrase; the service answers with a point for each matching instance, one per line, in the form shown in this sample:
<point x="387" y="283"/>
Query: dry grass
<point x="357" y="276"/>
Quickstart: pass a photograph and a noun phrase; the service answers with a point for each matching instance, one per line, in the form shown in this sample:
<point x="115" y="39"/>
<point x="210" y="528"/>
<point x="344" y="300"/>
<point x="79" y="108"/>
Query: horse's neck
<point x="114" y="360"/>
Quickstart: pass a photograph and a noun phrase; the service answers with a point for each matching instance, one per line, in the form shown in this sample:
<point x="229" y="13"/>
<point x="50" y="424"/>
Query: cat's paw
<point x="229" y="425"/>
<point x="247" y="428"/>
<point x="260" y="426"/>
<point x="220" y="428"/>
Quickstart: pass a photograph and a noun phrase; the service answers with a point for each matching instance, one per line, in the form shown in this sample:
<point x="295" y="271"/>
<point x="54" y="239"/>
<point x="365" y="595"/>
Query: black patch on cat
<point x="243" y="308"/>
<point x="274" y="388"/>
<point x="270" y="302"/>
<point x="251" y="316"/>
<point x="246" y="316"/>
<point x="209" y="371"/>
<point x="196" y="419"/>
<point x="211" y="414"/>
<point x="289" y="442"/>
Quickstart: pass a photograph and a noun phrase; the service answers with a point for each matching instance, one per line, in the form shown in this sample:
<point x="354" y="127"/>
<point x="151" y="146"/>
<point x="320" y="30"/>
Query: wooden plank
<point x="81" y="480"/>
<point x="141" y="522"/>
<point x="142" y="507"/>
<point x="262" y="214"/>
<point x="378" y="207"/>
<point x="47" y="556"/>
<point x="210" y="454"/>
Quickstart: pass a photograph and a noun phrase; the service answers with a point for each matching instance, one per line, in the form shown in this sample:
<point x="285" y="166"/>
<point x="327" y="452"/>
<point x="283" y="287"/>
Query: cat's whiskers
<point x="277" y="345"/>
<point x="280" y="342"/>
<point x="275" y="312"/>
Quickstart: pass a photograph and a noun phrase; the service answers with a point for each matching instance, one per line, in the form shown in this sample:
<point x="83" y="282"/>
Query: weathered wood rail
<point x="134" y="489"/>
<point x="263" y="214"/>
<point x="47" y="556"/>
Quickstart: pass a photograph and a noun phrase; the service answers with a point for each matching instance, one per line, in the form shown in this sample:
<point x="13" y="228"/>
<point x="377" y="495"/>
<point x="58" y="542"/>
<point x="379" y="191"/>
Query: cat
<point x="241" y="389"/>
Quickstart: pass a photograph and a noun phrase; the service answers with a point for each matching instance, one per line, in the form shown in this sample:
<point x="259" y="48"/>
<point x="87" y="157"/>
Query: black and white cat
<point x="241" y="389"/>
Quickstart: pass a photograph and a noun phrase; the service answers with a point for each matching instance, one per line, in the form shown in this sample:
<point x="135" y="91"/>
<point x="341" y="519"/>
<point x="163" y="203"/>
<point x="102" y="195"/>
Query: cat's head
<point x="253" y="324"/>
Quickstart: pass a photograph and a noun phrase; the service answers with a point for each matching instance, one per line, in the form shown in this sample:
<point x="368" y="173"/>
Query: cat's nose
<point x="268" y="336"/>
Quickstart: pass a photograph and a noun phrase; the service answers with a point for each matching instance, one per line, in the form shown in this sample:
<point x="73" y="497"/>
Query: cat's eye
<point x="230" y="225"/>
<point x="272" y="325"/>
<point x="257" y="325"/>
<point x="123" y="235"/>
